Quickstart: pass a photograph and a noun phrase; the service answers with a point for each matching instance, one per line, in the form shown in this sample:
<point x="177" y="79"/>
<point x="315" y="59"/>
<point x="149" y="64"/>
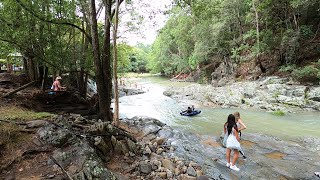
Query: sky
<point x="153" y="20"/>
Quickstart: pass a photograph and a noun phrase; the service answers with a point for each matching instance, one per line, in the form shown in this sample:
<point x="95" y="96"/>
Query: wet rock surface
<point x="267" y="157"/>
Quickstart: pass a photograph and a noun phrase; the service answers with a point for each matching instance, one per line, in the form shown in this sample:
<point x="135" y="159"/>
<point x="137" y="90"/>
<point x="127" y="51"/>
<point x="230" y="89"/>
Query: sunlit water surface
<point x="210" y="121"/>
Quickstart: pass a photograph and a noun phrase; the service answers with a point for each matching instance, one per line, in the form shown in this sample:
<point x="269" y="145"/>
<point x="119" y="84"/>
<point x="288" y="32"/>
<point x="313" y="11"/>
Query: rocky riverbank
<point x="268" y="93"/>
<point x="70" y="146"/>
<point x="73" y="147"/>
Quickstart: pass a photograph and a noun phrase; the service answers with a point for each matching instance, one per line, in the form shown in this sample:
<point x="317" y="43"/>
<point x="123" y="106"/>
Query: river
<point x="277" y="147"/>
<point x="210" y="122"/>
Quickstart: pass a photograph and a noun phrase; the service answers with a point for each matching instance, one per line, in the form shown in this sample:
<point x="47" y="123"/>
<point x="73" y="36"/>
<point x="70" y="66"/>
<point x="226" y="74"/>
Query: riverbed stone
<point x="158" y="141"/>
<point x="169" y="173"/>
<point x="168" y="164"/>
<point x="147" y="150"/>
<point x="191" y="172"/>
<point x="162" y="175"/>
<point x="199" y="173"/>
<point x="145" y="167"/>
<point x="159" y="150"/>
<point x="186" y="177"/>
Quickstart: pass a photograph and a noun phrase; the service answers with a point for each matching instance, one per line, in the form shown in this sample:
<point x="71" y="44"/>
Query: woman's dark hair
<point x="231" y="123"/>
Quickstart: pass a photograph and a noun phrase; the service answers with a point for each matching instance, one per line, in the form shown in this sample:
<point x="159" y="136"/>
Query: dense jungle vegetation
<point x="253" y="37"/>
<point x="272" y="35"/>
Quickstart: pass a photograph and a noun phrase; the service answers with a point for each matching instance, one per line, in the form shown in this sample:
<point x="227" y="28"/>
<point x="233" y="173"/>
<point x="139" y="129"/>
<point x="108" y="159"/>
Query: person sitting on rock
<point x="56" y="86"/>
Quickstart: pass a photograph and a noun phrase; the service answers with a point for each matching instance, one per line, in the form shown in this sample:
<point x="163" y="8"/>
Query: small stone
<point x="168" y="164"/>
<point x="169" y="173"/>
<point x="155" y="156"/>
<point x="152" y="148"/>
<point x="184" y="169"/>
<point x="186" y="177"/>
<point x="147" y="150"/>
<point x="159" y="141"/>
<point x="176" y="171"/>
<point x="199" y="172"/>
<point x="131" y="154"/>
<point x="159" y="151"/>
<point x="145" y="167"/>
<point x="163" y="175"/>
<point x="191" y="172"/>
<point x="155" y="145"/>
<point x="158" y="178"/>
<point x="155" y="164"/>
<point x="50" y="176"/>
<point x="193" y="164"/>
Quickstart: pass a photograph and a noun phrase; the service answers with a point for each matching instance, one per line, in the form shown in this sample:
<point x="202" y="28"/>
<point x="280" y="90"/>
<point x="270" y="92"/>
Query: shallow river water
<point x="210" y="121"/>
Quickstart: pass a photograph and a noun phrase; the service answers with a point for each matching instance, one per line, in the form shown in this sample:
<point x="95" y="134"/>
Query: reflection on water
<point x="154" y="104"/>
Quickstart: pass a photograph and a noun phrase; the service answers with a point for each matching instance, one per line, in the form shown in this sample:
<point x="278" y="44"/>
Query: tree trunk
<point x="115" y="66"/>
<point x="32" y="69"/>
<point x="106" y="60"/>
<point x="257" y="29"/>
<point x="101" y="67"/>
<point x="83" y="76"/>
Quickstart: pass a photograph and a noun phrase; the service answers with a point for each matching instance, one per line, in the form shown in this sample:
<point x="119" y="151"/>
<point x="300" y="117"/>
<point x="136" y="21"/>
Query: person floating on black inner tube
<point x="188" y="111"/>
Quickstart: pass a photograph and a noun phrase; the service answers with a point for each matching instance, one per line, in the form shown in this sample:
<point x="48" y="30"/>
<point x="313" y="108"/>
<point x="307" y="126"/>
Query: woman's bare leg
<point x="228" y="155"/>
<point x="235" y="156"/>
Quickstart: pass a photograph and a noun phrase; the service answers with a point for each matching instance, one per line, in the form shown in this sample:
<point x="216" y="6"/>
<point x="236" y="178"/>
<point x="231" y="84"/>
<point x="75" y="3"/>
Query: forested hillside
<point x="202" y="40"/>
<point x="250" y="37"/>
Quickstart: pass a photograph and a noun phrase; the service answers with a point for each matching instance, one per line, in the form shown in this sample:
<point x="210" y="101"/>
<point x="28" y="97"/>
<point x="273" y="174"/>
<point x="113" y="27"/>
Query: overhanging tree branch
<point x="11" y="42"/>
<point x="53" y="21"/>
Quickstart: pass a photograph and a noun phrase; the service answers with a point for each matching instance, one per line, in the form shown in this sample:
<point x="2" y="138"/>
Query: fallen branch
<point x="19" y="89"/>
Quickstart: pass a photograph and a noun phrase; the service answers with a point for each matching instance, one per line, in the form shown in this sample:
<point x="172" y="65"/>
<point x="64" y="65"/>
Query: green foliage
<point x="279" y="113"/>
<point x="288" y="68"/>
<point x="236" y="52"/>
<point x="310" y="73"/>
<point x="229" y="29"/>
<point x="25" y="28"/>
<point x="306" y="32"/>
<point x="307" y="74"/>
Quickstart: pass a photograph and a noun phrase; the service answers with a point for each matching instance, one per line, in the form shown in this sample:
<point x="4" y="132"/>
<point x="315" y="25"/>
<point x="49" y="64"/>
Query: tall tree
<point x="115" y="65"/>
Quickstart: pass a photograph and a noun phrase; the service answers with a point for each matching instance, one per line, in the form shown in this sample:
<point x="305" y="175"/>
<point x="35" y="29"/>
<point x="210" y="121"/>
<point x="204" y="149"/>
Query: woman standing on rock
<point x="241" y="126"/>
<point x="232" y="143"/>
